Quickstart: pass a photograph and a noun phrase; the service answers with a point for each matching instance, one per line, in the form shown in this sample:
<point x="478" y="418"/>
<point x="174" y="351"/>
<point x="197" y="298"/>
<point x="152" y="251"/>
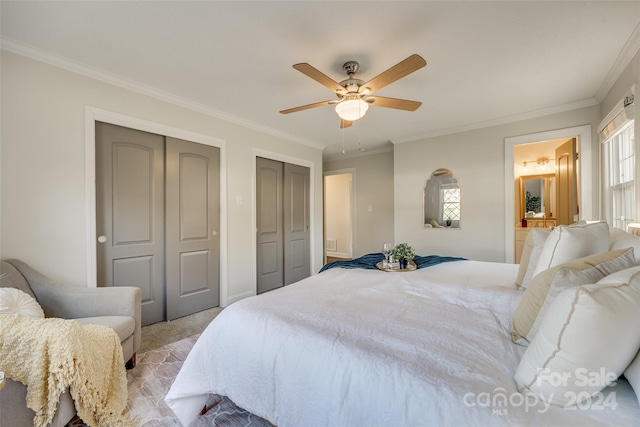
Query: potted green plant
<point x="403" y="253"/>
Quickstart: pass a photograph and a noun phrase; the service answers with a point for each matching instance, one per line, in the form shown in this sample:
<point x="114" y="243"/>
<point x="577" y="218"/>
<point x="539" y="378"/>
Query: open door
<point x="566" y="183"/>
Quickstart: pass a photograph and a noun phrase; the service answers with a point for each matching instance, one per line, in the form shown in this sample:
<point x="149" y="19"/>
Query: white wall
<point x="629" y="77"/>
<point x="476" y="159"/>
<point x="43" y="169"/>
<point x="373" y="188"/>
<point x="337" y="213"/>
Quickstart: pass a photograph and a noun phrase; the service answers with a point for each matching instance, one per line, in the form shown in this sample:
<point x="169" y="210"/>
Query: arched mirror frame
<point x="442" y="194"/>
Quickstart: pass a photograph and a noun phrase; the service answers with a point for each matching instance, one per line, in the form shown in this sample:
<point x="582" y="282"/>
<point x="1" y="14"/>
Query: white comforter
<point x="370" y="348"/>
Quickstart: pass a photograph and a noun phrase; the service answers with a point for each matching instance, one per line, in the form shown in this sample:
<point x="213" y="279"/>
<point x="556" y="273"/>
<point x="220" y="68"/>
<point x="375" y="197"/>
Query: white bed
<point x="366" y="347"/>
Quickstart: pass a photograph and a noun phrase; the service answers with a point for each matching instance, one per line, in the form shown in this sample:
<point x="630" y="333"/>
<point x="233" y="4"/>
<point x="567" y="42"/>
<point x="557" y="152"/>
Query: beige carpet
<point x="163" y="333"/>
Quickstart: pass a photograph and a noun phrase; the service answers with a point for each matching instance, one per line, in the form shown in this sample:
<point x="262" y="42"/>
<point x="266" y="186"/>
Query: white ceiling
<point x="488" y="62"/>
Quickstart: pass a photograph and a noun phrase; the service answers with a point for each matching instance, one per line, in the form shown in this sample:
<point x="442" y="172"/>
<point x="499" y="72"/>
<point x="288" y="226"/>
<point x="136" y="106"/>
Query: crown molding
<point x="502" y="120"/>
<point x="623" y="59"/>
<point x="19" y="48"/>
<point x="354" y="154"/>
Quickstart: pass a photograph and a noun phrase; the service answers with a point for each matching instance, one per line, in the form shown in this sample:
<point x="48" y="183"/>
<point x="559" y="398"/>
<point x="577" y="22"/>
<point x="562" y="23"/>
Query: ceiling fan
<point x="355" y="95"/>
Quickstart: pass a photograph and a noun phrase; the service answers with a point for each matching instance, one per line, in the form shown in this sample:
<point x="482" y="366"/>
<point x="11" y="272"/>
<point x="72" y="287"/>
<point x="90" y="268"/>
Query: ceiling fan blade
<point x="398" y="104"/>
<point x="306" y="107"/>
<point x="318" y="76"/>
<point x="345" y="123"/>
<point x="398" y="71"/>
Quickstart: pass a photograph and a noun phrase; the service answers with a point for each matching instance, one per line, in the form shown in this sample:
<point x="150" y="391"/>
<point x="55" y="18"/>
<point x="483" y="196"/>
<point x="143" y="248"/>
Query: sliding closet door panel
<point x="139" y="270"/>
<point x="130" y="213"/>
<point x="296" y="223"/>
<point x="193" y="225"/>
<point x="269" y="175"/>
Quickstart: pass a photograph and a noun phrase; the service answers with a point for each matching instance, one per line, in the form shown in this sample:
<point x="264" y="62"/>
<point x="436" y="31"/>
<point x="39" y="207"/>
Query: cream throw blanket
<point x="49" y="355"/>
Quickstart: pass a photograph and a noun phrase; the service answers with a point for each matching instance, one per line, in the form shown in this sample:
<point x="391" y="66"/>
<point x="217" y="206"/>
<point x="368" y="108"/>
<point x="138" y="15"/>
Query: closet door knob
<point x="214" y="232"/>
<point x="102" y="239"/>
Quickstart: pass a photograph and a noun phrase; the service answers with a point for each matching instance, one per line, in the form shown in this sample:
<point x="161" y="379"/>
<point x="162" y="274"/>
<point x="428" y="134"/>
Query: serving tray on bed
<point x="410" y="267"/>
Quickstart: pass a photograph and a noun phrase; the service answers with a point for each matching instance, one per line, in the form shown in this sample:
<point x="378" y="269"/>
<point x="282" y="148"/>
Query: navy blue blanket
<point x="369" y="261"/>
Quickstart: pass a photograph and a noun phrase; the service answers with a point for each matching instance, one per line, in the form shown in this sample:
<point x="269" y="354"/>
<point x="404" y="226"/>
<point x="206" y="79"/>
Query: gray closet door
<point x="130" y="213"/>
<point x="192" y="226"/>
<point x="282" y="223"/>
<point x="269" y="174"/>
<point x="296" y="223"/>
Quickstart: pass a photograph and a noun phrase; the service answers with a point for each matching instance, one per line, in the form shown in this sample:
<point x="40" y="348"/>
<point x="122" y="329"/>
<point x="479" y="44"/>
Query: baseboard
<point x="237" y="297"/>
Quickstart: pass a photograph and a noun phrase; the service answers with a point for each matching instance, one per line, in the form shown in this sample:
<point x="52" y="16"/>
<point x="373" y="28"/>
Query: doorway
<point x="338" y="216"/>
<point x="546" y="184"/>
<point x="588" y="204"/>
<point x="546" y="187"/>
<point x="158" y="220"/>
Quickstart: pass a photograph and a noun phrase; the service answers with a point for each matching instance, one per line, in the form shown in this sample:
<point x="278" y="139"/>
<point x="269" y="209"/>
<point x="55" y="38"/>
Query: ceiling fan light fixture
<point x="352" y="109"/>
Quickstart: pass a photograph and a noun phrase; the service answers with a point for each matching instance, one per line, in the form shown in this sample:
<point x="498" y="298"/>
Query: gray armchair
<point x="116" y="307"/>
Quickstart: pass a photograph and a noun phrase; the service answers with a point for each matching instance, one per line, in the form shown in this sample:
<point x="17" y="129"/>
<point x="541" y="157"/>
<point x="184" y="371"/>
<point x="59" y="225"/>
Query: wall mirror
<point x="538" y="196"/>
<point x="442" y="200"/>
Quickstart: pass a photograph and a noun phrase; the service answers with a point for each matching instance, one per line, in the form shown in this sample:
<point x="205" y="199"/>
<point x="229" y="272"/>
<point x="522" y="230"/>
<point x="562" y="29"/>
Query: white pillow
<point x="15" y="303"/>
<point x="536" y="239"/>
<point x="632" y="374"/>
<point x="579" y="339"/>
<point x="545" y="287"/>
<point x="619" y="239"/>
<point x="566" y="243"/>
<point x="566" y="278"/>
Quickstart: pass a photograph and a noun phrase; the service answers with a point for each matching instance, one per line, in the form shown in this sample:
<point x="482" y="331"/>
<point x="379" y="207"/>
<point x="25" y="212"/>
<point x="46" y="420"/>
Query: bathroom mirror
<point x="441" y="205"/>
<point x="538" y="196"/>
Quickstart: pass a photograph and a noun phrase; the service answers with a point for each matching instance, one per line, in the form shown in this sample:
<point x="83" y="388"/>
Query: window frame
<point x="618" y="164"/>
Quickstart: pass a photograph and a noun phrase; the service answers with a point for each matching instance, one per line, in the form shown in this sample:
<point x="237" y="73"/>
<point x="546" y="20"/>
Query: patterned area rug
<point x="150" y="381"/>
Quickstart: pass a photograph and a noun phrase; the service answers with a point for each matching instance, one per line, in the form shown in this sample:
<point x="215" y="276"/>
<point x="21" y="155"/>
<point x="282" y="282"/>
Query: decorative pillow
<point x="533" y="245"/>
<point x="15" y="303"/>
<point x="546" y="286"/>
<point x="577" y="352"/>
<point x="566" y="243"/>
<point x="632" y="374"/>
<point x="524" y="260"/>
<point x="619" y="239"/>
